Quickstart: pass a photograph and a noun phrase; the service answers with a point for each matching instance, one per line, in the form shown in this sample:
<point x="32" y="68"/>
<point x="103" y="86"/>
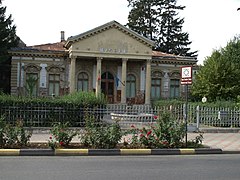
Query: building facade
<point x="109" y="59"/>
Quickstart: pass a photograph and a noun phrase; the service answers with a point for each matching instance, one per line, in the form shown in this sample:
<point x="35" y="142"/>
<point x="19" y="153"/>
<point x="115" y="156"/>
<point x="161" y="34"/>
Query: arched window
<point x="32" y="84"/>
<point x="174" y="84"/>
<point x="131" y="86"/>
<point x="156" y="84"/>
<point x="156" y="88"/>
<point x="82" y="84"/>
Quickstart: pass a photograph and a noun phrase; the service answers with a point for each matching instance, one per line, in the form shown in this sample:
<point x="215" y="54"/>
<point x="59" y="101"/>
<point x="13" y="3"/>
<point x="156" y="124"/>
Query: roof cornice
<point x="104" y="27"/>
<point x="37" y="53"/>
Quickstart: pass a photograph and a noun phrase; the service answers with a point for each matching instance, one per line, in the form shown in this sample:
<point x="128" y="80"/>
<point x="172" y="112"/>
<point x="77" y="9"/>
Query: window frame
<point x="35" y="89"/>
<point x="156" y="87"/>
<point x="174" y="86"/>
<point x="54" y="82"/>
<point x="84" y="80"/>
<point x="131" y="86"/>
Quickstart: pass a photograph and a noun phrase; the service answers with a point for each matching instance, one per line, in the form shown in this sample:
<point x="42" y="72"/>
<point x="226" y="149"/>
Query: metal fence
<point x="139" y="114"/>
<point x="44" y="116"/>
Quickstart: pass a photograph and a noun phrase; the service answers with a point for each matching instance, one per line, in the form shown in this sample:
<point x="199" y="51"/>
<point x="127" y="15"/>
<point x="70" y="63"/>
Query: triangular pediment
<point x="110" y="39"/>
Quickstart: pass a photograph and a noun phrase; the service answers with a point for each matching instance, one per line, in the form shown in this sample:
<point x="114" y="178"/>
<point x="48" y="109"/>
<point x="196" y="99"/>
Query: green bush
<point x="99" y="135"/>
<point x="41" y="112"/>
<point x="165" y="133"/>
<point x="2" y="131"/>
<point x="164" y="103"/>
<point x="13" y="135"/>
<point x="62" y="134"/>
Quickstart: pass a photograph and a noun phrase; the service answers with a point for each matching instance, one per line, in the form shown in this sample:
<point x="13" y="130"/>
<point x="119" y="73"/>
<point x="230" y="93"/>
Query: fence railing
<point x="44" y="116"/>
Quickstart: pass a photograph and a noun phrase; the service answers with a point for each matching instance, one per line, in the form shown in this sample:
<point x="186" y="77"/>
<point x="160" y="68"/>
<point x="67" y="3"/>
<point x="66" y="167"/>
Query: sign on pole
<point x="186" y="75"/>
<point x="186" y="79"/>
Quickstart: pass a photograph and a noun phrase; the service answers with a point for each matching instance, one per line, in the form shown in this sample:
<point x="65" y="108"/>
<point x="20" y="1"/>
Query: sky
<point x="211" y="24"/>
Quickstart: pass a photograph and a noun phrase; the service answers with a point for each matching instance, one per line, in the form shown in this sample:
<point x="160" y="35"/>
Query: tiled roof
<point x="59" y="46"/>
<point x="158" y="53"/>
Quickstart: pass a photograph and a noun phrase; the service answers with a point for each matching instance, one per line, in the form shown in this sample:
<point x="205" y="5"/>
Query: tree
<point x="219" y="77"/>
<point x="159" y="21"/>
<point x="8" y="38"/>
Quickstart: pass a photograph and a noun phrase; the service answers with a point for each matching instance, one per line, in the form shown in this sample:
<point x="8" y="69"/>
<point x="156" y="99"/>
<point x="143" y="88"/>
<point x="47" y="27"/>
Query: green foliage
<point x="13" y="136"/>
<point x="77" y="99"/>
<point x="197" y="142"/>
<point x="67" y="108"/>
<point x="2" y="131"/>
<point x="8" y="38"/>
<point x="219" y="78"/>
<point x="84" y="98"/>
<point x="99" y="135"/>
<point x="159" y="21"/>
<point x="31" y="85"/>
<point x="52" y="142"/>
<point x="62" y="134"/>
<point x="166" y="133"/>
<point x="164" y="103"/>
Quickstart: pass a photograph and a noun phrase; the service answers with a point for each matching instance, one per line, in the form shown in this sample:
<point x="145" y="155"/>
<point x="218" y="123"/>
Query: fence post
<point x="198" y="117"/>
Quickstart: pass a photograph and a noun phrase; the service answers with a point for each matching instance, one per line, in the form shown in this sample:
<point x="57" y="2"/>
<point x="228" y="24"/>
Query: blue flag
<point x="117" y="81"/>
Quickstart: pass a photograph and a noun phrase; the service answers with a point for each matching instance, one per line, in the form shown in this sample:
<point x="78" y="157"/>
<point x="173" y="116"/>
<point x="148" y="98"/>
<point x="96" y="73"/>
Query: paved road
<point x="219" y="167"/>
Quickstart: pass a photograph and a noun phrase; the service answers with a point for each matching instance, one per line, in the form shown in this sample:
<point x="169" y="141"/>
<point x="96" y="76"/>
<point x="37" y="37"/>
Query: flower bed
<point x="165" y="133"/>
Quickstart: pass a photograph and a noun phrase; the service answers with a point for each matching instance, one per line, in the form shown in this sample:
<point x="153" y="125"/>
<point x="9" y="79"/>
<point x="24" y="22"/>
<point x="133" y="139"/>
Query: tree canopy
<point x="8" y="38"/>
<point x="219" y="77"/>
<point x="158" y="20"/>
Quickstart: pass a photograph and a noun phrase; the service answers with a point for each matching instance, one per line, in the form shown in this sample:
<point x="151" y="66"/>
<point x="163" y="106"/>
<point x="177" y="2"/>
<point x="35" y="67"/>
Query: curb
<point x="108" y="152"/>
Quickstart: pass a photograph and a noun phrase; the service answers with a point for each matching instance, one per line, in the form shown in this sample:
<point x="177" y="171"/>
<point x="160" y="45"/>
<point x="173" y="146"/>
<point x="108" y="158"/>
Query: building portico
<point x="111" y="48"/>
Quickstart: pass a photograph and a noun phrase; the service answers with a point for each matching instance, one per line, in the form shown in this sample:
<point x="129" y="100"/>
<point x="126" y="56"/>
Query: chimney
<point x="62" y="36"/>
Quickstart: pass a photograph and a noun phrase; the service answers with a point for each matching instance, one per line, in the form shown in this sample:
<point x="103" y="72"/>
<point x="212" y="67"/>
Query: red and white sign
<point x="186" y="75"/>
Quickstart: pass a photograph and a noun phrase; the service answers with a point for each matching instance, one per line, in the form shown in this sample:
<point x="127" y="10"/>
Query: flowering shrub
<point x="99" y="135"/>
<point x="165" y="133"/>
<point x="13" y="135"/>
<point x="52" y="143"/>
<point x="61" y="134"/>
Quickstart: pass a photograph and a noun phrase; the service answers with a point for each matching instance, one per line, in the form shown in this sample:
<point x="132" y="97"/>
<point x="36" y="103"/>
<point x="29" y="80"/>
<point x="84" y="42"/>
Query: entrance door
<point x="107" y="86"/>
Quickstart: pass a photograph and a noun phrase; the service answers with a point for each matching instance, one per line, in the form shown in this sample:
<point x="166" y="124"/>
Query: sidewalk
<point x="224" y="141"/>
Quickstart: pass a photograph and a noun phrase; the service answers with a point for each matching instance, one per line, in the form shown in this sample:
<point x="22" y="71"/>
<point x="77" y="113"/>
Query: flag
<point x="117" y="81"/>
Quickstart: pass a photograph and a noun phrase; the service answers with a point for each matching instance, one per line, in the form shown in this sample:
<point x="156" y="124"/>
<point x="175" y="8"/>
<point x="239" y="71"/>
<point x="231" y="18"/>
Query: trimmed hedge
<point x="42" y="112"/>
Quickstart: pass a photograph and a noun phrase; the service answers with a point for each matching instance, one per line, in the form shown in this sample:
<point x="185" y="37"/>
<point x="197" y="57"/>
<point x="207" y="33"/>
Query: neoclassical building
<point x="109" y="59"/>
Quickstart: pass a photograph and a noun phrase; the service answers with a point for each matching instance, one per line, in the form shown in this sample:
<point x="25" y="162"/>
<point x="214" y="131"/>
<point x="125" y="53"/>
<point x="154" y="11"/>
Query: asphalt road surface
<point x="210" y="167"/>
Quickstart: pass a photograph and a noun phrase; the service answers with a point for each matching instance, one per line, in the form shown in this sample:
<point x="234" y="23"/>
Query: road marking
<point x="9" y="152"/>
<point x="187" y="151"/>
<point x="71" y="151"/>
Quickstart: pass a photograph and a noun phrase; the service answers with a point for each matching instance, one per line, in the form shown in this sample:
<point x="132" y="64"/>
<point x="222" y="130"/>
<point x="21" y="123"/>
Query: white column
<point x="124" y="75"/>
<point x="148" y="82"/>
<point x="94" y="76"/>
<point x="73" y="74"/>
<point x="98" y="75"/>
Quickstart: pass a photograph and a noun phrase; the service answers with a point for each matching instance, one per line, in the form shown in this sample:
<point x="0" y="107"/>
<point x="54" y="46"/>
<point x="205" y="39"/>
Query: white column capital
<point x="149" y="61"/>
<point x="71" y="56"/>
<point x="124" y="59"/>
<point x="99" y="58"/>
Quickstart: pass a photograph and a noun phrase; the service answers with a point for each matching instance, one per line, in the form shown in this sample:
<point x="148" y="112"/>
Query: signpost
<point x="186" y="79"/>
